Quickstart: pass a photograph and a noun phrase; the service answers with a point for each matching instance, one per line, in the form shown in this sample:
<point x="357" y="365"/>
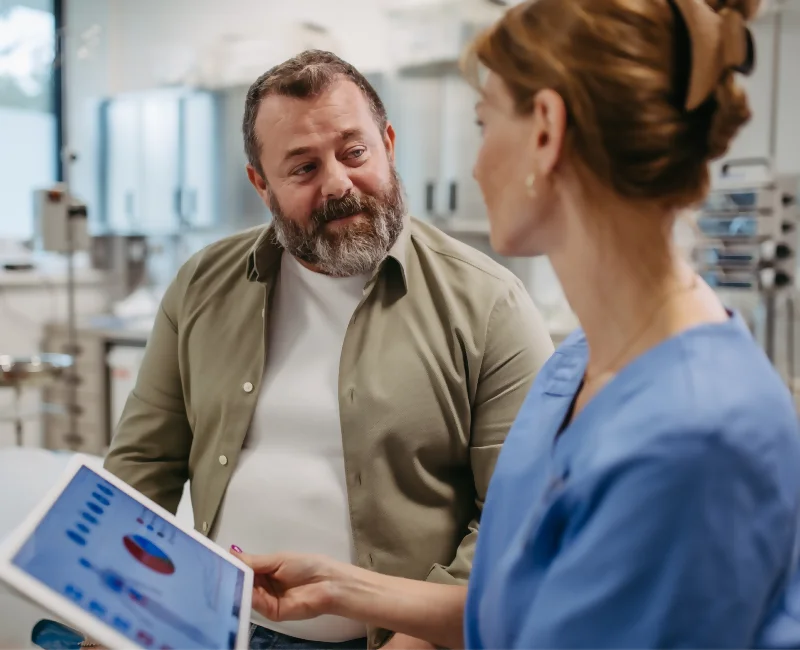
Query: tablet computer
<point x="113" y="564"/>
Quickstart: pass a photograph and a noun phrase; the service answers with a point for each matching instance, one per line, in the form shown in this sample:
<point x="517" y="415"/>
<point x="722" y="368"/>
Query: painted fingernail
<point x="236" y="549"/>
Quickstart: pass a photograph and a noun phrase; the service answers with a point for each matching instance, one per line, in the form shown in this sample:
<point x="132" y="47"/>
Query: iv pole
<point x="75" y="211"/>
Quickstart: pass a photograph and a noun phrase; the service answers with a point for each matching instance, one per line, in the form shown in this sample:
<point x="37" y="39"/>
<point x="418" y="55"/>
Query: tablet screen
<point x="123" y="564"/>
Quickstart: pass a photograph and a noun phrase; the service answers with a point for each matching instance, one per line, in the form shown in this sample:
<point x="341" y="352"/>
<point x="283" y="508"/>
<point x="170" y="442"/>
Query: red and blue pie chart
<point x="148" y="554"/>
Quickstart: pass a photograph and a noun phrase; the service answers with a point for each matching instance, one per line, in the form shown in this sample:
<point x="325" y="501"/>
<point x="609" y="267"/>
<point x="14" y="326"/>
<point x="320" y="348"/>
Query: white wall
<point x="158" y="40"/>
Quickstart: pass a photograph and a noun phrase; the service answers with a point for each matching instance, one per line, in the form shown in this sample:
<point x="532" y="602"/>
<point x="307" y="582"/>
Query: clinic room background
<point x="121" y="156"/>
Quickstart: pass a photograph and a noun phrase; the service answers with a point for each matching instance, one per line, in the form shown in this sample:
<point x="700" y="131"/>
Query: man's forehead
<point x="340" y="106"/>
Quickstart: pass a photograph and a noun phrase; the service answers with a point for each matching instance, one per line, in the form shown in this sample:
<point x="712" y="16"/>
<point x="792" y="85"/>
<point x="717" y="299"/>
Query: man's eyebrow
<point x="349" y="134"/>
<point x="298" y="151"/>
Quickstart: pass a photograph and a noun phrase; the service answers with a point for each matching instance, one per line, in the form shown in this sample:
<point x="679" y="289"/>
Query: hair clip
<point x="719" y="41"/>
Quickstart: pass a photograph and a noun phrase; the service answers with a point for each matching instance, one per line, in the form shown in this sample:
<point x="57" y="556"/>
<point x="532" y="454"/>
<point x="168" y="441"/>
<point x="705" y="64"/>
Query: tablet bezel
<point x="72" y="614"/>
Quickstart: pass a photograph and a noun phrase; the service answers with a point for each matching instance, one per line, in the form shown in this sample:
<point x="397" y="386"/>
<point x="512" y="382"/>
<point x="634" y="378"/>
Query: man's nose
<point x="336" y="183"/>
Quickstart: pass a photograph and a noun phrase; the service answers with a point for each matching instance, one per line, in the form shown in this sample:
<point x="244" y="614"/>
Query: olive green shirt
<point x="435" y="364"/>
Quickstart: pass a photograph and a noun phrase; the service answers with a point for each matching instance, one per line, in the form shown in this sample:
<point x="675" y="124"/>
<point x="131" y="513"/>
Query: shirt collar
<point x="265" y="254"/>
<point x="566" y="368"/>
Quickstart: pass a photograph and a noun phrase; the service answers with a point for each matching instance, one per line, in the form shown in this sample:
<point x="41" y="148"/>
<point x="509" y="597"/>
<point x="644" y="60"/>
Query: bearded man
<point x="341" y="381"/>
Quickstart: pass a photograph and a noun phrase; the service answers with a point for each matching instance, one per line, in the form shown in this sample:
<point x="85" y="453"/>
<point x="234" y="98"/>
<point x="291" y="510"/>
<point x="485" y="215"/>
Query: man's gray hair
<point x="303" y="77"/>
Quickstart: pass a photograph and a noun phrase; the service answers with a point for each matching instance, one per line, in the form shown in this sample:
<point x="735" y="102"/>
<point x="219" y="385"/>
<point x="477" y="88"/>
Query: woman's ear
<point x="548" y="128"/>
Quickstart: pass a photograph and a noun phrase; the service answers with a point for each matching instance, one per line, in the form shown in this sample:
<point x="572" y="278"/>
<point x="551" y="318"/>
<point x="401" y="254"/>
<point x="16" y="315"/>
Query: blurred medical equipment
<point x="748" y="250"/>
<point x="60" y="220"/>
<point x="18" y="373"/>
<point x="61" y="226"/>
<point x="123" y="258"/>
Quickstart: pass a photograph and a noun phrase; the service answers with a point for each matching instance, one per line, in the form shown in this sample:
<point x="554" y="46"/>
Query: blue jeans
<point x="263" y="639"/>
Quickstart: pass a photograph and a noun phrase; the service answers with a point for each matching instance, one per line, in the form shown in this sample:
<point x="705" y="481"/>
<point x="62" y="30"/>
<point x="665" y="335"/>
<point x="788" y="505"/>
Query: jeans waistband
<point x="262" y="638"/>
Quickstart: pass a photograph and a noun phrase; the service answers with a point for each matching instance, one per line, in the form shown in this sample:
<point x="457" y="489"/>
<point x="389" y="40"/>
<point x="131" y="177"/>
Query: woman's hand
<point x="292" y="587"/>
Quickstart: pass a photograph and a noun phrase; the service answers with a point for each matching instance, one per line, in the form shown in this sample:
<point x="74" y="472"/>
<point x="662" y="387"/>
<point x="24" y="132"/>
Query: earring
<point x="529" y="183"/>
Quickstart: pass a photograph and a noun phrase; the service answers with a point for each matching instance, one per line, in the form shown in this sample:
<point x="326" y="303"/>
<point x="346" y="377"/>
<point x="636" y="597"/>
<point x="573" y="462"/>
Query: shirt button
<point x="223" y="460"/>
<point x="358" y="478"/>
<point x="262" y="313"/>
<point x="205" y="526"/>
<point x="352" y="394"/>
<point x="248" y="387"/>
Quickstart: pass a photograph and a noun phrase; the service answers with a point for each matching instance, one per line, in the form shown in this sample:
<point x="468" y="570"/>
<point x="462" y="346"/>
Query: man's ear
<point x="389" y="140"/>
<point x="256" y="179"/>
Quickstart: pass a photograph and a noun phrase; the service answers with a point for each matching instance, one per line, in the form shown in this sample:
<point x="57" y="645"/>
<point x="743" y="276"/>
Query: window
<point x="28" y="139"/>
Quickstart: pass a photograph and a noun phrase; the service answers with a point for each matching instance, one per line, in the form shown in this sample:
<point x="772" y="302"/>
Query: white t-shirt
<point x="288" y="491"/>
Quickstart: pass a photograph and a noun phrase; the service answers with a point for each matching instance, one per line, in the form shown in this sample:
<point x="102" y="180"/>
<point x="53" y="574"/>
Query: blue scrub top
<point x="665" y="515"/>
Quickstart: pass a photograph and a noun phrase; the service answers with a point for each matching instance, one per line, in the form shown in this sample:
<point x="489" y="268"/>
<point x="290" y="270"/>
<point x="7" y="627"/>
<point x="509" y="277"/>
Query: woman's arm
<point x="298" y="587"/>
<point x="423" y="610"/>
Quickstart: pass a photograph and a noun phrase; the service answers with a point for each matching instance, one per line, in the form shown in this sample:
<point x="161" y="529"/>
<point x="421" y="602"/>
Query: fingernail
<point x="236" y="549"/>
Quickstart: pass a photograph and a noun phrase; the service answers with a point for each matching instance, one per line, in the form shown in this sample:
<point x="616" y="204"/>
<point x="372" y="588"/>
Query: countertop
<point x="112" y="328"/>
<point x="48" y="279"/>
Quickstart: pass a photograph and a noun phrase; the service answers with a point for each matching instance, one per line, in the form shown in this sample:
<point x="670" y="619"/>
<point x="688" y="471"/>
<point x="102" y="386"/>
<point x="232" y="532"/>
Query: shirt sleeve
<point x="151" y="445"/>
<point x="681" y="548"/>
<point x="517" y="346"/>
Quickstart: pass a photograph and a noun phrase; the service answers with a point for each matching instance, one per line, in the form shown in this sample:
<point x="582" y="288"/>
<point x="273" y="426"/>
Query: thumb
<point x="259" y="563"/>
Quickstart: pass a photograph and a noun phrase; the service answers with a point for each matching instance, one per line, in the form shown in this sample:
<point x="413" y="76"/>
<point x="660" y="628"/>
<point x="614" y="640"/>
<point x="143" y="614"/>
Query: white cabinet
<point x="199" y="187"/>
<point x="124" y="154"/>
<point x="160" y="163"/>
<point x="437" y="143"/>
<point x="461" y="141"/>
<point x="158" y="168"/>
<point x="416" y="111"/>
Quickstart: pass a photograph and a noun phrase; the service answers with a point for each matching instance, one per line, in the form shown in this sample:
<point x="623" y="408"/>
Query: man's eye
<point x="357" y="153"/>
<point x="305" y="169"/>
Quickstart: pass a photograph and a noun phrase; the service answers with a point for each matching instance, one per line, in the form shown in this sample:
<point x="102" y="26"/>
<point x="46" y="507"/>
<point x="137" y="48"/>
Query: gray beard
<point x="356" y="249"/>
